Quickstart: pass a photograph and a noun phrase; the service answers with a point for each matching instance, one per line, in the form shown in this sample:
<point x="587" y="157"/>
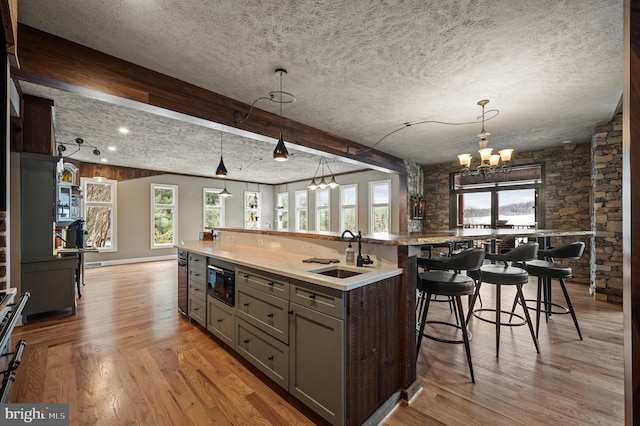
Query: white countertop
<point x="288" y="264"/>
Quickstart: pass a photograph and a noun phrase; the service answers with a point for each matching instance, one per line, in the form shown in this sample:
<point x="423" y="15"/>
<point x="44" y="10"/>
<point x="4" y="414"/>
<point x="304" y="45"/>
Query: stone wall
<point x="607" y="210"/>
<point x="567" y="184"/>
<point x="415" y="177"/>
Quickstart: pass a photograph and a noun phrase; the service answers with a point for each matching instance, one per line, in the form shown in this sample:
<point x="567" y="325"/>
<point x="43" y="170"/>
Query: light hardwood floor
<point x="128" y="358"/>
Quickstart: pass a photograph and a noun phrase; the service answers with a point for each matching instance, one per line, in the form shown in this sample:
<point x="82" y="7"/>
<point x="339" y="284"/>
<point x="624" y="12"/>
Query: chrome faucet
<point x="360" y="261"/>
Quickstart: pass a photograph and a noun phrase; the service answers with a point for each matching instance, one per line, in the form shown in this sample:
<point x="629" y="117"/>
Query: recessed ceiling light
<point x="111" y="148"/>
<point x="123" y="130"/>
<point x="567" y="141"/>
<point x="104" y="160"/>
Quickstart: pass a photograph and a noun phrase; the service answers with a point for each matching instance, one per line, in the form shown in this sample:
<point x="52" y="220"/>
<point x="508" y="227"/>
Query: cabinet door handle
<point x="312" y="296"/>
<point x="220" y="320"/>
<point x="270" y="358"/>
<point x="270" y="315"/>
<point x="196" y="309"/>
<point x="272" y="284"/>
<point x="246" y="276"/>
<point x="246" y="304"/>
<point x="246" y="341"/>
<point x="290" y="312"/>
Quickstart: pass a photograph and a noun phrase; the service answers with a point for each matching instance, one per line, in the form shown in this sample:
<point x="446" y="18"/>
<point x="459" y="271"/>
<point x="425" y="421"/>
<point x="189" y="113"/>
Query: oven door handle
<point x="215" y="268"/>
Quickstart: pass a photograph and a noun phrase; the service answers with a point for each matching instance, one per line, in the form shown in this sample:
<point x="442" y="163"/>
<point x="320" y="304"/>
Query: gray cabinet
<point x="197" y="281"/>
<point x="317" y="350"/>
<point x="221" y="320"/>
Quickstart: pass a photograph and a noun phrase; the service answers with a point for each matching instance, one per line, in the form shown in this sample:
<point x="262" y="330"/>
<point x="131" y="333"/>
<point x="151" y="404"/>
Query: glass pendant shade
<point x="494" y="160"/>
<point x="323" y="184"/>
<point x="505" y="154"/>
<point x="485" y="153"/>
<point x="224" y="192"/>
<point x="280" y="153"/>
<point x="313" y="184"/>
<point x="333" y="183"/>
<point x="465" y="160"/>
<point x="221" y="171"/>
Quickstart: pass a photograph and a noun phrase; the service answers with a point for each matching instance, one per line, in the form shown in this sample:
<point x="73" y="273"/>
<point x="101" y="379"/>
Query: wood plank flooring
<point x="128" y="358"/>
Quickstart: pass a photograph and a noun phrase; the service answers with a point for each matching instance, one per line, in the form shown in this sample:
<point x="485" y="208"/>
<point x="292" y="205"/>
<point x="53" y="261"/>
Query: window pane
<point x="301" y="199"/>
<point x="163" y="196"/>
<point x="381" y="194"/>
<point x="284" y="219"/>
<point x="476" y="208"/>
<point x="323" y="197"/>
<point x="324" y="219"/>
<point x="213" y="199"/>
<point x="98" y="226"/>
<point x="283" y="201"/>
<point x="98" y="192"/>
<point x="163" y="226"/>
<point x="349" y="218"/>
<point x="349" y="196"/>
<point x="517" y="208"/>
<point x="381" y="219"/>
<point x="212" y="219"/>
<point x="302" y="220"/>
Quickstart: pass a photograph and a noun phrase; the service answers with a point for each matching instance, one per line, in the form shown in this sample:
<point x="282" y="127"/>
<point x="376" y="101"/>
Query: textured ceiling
<point x="361" y="69"/>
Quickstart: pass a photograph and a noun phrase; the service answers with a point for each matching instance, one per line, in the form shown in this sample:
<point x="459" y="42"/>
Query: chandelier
<point x="489" y="163"/>
<point x="322" y="184"/>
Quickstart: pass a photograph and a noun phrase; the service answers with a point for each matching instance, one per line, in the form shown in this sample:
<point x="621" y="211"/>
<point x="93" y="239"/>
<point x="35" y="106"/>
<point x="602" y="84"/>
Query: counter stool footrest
<point x="523" y="321"/>
<point x="449" y="324"/>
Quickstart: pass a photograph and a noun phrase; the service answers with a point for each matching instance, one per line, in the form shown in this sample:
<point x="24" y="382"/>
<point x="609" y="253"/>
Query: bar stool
<point x="451" y="283"/>
<point x="501" y="275"/>
<point x="546" y="270"/>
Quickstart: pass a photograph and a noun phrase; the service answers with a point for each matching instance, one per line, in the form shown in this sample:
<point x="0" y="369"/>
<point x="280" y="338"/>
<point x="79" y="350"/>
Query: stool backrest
<point x="567" y="251"/>
<point x="522" y="253"/>
<point x="468" y="260"/>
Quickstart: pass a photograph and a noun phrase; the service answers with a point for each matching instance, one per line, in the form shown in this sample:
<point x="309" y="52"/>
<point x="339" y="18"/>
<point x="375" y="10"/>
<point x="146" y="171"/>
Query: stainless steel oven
<point x="221" y="279"/>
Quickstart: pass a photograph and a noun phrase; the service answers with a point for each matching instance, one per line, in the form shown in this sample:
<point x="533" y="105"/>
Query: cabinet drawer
<point x="199" y="275"/>
<point x="197" y="290"/>
<point x="221" y="321"/>
<point x="322" y="299"/>
<point x="273" y="284"/>
<point x="198" y="310"/>
<point x="269" y="313"/>
<point x="263" y="351"/>
<point x="197" y="261"/>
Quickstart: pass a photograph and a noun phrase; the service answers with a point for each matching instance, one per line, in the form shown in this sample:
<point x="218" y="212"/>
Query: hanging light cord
<point x="408" y="124"/>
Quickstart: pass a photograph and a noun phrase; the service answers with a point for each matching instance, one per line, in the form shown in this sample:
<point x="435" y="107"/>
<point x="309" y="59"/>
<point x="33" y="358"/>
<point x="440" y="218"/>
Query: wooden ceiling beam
<point x="55" y="62"/>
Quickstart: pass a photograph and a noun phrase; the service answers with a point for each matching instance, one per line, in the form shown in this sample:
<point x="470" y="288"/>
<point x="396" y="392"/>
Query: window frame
<point x="321" y="208"/>
<point x="205" y="207"/>
<point x="112" y="204"/>
<point x="373" y="206"/>
<point x="279" y="211"/>
<point x="343" y="207"/>
<point x="173" y="207"/>
<point x="299" y="209"/>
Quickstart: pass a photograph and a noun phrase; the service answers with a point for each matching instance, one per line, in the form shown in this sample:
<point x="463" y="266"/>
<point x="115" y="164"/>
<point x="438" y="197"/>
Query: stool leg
<point x="570" y="306"/>
<point x="538" y="306"/>
<point x="465" y="336"/>
<point x="422" y="323"/>
<point x="527" y="316"/>
<point x="498" y="320"/>
<point x="472" y="303"/>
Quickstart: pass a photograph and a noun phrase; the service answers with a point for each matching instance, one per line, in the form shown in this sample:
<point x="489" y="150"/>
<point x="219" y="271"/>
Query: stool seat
<point x="501" y="275"/>
<point x="547" y="269"/>
<point x="446" y="283"/>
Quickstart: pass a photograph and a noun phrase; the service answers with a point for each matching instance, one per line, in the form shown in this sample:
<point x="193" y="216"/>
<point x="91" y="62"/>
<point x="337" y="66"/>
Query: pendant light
<point x="224" y="192"/>
<point x="280" y="153"/>
<point x="221" y="171"/>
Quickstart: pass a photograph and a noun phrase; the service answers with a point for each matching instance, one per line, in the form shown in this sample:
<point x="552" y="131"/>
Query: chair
<point x="503" y="274"/>
<point x="448" y="281"/>
<point x="546" y="270"/>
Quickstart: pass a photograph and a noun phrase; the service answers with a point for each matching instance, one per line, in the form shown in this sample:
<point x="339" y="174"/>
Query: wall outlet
<point x="306" y="248"/>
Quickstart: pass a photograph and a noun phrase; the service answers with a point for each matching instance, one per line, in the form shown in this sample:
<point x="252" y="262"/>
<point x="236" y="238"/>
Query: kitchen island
<point x="376" y="334"/>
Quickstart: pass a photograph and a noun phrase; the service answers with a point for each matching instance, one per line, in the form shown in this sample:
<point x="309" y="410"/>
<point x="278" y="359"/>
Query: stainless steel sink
<point x="337" y="272"/>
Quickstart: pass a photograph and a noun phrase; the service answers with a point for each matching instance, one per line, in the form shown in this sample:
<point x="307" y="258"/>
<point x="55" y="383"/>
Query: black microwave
<point x="221" y="281"/>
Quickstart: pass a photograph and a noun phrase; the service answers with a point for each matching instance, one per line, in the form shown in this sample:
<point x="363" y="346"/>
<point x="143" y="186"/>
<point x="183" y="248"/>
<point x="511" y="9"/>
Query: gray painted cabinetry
<point x="198" y="288"/>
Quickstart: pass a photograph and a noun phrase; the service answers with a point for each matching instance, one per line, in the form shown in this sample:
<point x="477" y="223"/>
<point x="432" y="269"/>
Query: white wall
<point x="134" y="204"/>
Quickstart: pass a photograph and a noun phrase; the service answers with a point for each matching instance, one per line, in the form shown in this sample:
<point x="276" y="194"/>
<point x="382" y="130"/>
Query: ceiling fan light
<point x="280" y="153"/>
<point x="221" y="171"/>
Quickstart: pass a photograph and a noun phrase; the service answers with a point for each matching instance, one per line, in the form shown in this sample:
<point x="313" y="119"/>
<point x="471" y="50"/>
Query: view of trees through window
<point x="98" y="214"/>
<point x="163" y="215"/>
<point x="212" y="208"/>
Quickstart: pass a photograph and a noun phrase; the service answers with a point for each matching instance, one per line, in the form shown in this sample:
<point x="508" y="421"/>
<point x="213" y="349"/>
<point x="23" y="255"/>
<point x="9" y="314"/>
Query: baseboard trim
<point x="132" y="260"/>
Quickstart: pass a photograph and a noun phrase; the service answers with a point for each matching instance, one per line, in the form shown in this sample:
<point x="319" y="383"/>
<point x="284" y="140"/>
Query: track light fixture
<point x="78" y="143"/>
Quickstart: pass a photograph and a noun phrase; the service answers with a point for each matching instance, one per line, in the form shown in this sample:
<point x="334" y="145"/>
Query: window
<point x="213" y="205"/>
<point x="301" y="211"/>
<point x="282" y="211"/>
<point x="349" y="207"/>
<point x="379" y="207"/>
<point x="499" y="200"/>
<point x="252" y="209"/>
<point x="100" y="213"/>
<point x="323" y="209"/>
<point x="164" y="215"/>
